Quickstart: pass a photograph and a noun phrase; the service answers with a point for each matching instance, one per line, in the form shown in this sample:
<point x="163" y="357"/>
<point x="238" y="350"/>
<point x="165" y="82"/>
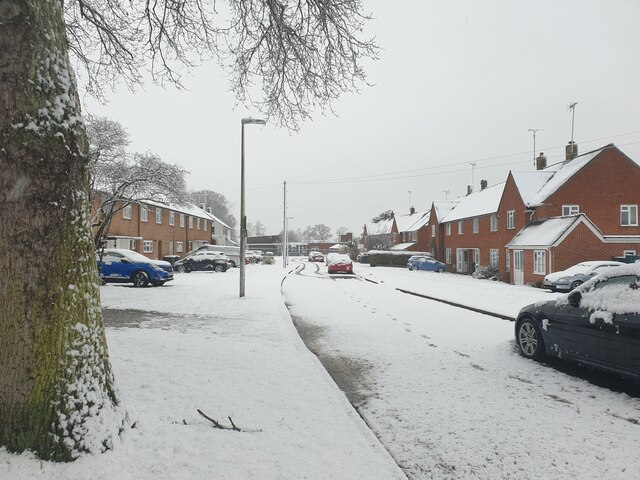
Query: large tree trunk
<point x="56" y="387"/>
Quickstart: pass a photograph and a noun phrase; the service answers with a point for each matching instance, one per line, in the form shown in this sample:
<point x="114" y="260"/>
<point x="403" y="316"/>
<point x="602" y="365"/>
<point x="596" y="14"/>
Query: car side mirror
<point x="574" y="298"/>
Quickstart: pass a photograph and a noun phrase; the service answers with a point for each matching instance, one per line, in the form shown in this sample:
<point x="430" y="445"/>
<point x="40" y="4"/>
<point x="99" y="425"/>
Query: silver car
<point x="573" y="277"/>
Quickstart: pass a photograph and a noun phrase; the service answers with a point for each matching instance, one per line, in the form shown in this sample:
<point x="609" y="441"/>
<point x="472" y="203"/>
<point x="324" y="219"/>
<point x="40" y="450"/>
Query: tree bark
<point x="57" y="396"/>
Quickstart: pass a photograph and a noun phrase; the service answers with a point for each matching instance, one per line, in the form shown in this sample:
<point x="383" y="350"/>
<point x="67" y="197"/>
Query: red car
<point x="316" y="257"/>
<point x="340" y="264"/>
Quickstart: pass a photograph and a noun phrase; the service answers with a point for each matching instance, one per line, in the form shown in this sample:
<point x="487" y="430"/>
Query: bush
<point x="268" y="260"/>
<point x="391" y="258"/>
<point x="486" y="272"/>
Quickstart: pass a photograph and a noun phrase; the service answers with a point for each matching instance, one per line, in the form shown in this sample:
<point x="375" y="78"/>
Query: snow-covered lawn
<point x="199" y="346"/>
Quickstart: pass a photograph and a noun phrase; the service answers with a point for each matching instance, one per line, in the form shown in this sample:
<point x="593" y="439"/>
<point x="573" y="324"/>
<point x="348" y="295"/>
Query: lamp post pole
<point x="243" y="217"/>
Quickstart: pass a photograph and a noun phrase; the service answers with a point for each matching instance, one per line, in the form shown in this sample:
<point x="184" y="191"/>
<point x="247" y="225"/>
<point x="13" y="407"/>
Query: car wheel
<point x="529" y="339"/>
<point x="218" y="268"/>
<point x="180" y="269"/>
<point x="233" y="264"/>
<point x="576" y="284"/>
<point x="410" y="269"/>
<point x="440" y="270"/>
<point x="140" y="279"/>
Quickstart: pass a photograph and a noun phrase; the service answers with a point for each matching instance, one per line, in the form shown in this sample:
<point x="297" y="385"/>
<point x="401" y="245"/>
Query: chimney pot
<point x="412" y="210"/>
<point x="541" y="162"/>
<point x="571" y="150"/>
<point x="469" y="189"/>
<point x="483" y="184"/>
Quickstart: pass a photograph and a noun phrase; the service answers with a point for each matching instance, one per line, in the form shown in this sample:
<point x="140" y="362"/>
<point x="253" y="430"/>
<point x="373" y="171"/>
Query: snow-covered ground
<point x="443" y="388"/>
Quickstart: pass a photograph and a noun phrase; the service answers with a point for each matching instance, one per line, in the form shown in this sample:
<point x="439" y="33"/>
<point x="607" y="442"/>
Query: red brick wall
<point x="608" y="181"/>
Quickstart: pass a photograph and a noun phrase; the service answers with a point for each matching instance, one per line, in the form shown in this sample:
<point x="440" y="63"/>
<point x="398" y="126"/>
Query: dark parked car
<point x="417" y="262"/>
<point x="124" y="266"/>
<point x="598" y="324"/>
<point x="203" y="261"/>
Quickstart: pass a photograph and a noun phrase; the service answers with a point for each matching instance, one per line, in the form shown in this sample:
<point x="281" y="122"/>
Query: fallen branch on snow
<point x="217" y="424"/>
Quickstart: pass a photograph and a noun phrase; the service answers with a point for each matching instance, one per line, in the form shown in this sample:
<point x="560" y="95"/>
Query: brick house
<point x="537" y="222"/>
<point x="381" y="235"/>
<point x="157" y="229"/>
<point x="438" y="211"/>
<point x="413" y="231"/>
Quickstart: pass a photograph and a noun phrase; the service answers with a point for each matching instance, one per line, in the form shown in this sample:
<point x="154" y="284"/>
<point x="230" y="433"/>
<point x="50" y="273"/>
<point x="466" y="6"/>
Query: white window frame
<point x="172" y="218"/>
<point x="144" y="213"/>
<point x="629" y="211"/>
<point x="476" y="225"/>
<point x="493" y="223"/>
<point x="494" y="257"/>
<point x="190" y="224"/>
<point x="447" y="255"/>
<point x="127" y="212"/>
<point x="147" y="246"/>
<point x="179" y="247"/>
<point x="540" y="262"/>
<point x="627" y="253"/>
<point x="198" y="223"/>
<point x="570" y="210"/>
<point x="511" y="219"/>
<point x="460" y="227"/>
<point x="507" y="263"/>
<point x="433" y="230"/>
<point x="447" y="229"/>
<point x="182" y="220"/>
<point x="158" y="215"/>
<point x="190" y="245"/>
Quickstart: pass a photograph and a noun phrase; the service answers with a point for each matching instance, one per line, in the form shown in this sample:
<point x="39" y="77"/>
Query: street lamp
<point x="243" y="218"/>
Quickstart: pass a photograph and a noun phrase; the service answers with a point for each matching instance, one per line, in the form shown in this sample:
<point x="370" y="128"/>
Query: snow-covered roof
<point x="530" y="182"/>
<point x="188" y="209"/>
<point x="479" y="203"/>
<point x="381" y="228"/>
<point x="442" y="209"/>
<point x="413" y="221"/>
<point x="562" y="172"/>
<point x="402" y="246"/>
<point x="543" y="233"/>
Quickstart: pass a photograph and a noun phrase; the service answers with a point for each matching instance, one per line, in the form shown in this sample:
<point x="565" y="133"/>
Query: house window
<point x="476" y="225"/>
<point x="182" y="220"/>
<point x="629" y="215"/>
<point x="414" y="236"/>
<point x="190" y="224"/>
<point x="179" y="247"/>
<point x="570" y="210"/>
<point x="158" y="215"/>
<point x="144" y="213"/>
<point x="126" y="212"/>
<point x="447" y="229"/>
<point x="172" y="218"/>
<point x="198" y="223"/>
<point x="213" y="228"/>
<point x="147" y="246"/>
<point x="448" y="255"/>
<point x="507" y="261"/>
<point x="461" y="227"/>
<point x="494" y="256"/>
<point x="493" y="223"/>
<point x="433" y="230"/>
<point x="627" y="253"/>
<point x="511" y="219"/>
<point x="539" y="262"/>
<point x="190" y="245"/>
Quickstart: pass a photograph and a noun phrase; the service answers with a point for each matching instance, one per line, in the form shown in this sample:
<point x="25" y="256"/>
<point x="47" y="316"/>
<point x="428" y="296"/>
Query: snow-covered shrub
<point x="268" y="260"/>
<point x="486" y="272"/>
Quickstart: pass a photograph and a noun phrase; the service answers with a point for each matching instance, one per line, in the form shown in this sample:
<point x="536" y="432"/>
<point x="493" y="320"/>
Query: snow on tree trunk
<point x="57" y="396"/>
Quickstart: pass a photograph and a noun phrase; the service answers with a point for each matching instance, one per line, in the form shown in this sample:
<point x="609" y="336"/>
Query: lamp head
<point x="250" y="120"/>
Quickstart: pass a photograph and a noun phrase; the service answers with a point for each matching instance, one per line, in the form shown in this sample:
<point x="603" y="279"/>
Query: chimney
<point x="412" y="210"/>
<point x="483" y="184"/>
<point x="541" y="162"/>
<point x="571" y="150"/>
<point x="209" y="210"/>
<point x="469" y="189"/>
<point x="202" y="206"/>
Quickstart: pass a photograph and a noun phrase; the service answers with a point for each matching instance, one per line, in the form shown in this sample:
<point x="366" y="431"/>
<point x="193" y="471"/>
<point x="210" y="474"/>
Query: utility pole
<point x="284" y="229"/>
<point x="534" y="130"/>
<point x="572" y="107"/>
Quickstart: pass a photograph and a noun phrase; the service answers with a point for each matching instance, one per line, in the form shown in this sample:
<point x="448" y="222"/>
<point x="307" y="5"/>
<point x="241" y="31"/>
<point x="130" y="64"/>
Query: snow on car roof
<point x="339" y="259"/>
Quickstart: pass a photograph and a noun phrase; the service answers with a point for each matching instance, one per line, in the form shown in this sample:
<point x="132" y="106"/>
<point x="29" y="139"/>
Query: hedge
<point x="392" y="258"/>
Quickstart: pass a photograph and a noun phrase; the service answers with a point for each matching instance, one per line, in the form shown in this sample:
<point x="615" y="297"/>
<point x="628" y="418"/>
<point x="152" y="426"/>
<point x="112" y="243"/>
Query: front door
<point x="518" y="272"/>
<point x="462" y="260"/>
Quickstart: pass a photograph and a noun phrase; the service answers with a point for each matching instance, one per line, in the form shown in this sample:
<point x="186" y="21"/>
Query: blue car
<point x="126" y="266"/>
<point x="422" y="262"/>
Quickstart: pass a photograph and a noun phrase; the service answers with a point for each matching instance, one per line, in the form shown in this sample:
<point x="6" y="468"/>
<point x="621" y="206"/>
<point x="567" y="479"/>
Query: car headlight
<point x="562" y="280"/>
<point x="156" y="267"/>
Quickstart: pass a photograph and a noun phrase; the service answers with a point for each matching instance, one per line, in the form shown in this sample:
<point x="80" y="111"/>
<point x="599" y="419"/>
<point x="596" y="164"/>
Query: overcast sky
<point x="457" y="82"/>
